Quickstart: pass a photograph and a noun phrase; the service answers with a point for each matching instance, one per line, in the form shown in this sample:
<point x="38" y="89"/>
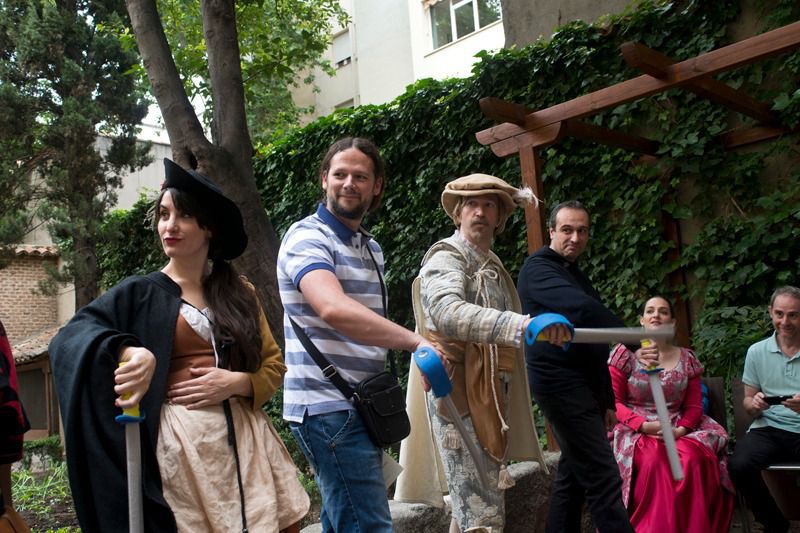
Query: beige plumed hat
<point x="479" y="184"/>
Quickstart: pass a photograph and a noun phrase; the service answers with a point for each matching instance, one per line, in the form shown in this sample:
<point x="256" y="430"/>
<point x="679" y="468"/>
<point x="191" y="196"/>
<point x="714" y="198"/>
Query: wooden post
<point x="536" y="224"/>
<point x="535" y="221"/>
<point x="677" y="278"/>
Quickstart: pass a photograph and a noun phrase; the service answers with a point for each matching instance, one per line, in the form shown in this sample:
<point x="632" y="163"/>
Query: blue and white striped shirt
<point x="321" y="241"/>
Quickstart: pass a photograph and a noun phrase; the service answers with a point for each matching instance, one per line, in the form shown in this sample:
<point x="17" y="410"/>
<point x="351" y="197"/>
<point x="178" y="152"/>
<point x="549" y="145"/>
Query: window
<point x="453" y="19"/>
<point x="347" y="104"/>
<point x="342" y="49"/>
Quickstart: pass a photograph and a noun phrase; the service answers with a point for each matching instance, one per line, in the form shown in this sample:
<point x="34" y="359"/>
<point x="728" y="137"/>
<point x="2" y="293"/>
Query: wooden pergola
<point x="525" y="131"/>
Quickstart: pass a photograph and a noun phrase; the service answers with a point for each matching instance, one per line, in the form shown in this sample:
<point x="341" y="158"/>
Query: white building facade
<point x="389" y="44"/>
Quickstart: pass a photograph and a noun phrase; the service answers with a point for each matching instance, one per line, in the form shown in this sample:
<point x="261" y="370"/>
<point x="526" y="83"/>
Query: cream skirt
<point x="198" y="471"/>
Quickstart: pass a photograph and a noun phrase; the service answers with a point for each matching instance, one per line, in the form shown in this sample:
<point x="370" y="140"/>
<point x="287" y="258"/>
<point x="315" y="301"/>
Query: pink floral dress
<point x="655" y="501"/>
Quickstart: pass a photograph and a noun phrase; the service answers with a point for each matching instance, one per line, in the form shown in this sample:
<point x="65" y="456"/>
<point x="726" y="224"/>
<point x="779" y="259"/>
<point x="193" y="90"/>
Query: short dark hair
<point x="786" y="290"/>
<point x="669" y="304"/>
<point x="368" y="148"/>
<point x="569" y="204"/>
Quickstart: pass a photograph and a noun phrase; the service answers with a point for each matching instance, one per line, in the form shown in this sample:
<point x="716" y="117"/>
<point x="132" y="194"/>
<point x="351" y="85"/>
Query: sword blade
<point x="477" y="458"/>
<point x="666" y="426"/>
<point x="624" y="335"/>
<point x="133" y="451"/>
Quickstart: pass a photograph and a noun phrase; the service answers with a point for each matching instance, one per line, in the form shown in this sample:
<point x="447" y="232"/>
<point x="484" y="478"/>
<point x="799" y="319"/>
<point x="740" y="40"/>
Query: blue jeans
<point x="349" y="472"/>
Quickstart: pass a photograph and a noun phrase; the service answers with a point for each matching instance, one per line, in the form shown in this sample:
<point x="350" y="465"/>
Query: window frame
<point x="452" y="6"/>
<point x="344" y="61"/>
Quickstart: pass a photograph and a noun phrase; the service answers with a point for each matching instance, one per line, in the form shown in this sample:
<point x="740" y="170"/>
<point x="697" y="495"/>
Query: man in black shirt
<point x="573" y="387"/>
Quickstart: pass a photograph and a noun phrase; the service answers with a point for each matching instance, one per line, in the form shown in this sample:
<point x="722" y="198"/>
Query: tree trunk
<point x="86" y="287"/>
<point x="228" y="161"/>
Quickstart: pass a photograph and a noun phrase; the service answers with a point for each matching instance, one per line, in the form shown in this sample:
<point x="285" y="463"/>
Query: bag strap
<point x="328" y="370"/>
<point x="384" y="292"/>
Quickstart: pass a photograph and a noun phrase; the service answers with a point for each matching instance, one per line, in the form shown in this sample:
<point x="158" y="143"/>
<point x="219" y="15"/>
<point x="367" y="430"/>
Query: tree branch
<point x="183" y="127"/>
<point x="227" y="88"/>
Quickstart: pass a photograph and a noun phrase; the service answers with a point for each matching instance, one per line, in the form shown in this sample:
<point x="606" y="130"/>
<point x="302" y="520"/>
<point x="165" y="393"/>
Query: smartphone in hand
<point x="776" y="400"/>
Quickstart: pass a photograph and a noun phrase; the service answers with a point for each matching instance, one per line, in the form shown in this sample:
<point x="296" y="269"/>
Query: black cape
<point x="550" y="284"/>
<point x="139" y="311"/>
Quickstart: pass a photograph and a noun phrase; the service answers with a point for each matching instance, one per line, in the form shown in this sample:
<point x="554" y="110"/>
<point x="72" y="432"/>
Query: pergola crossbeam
<point x="524" y="131"/>
<point x="497" y="109"/>
<point x="590" y="132"/>
<point x="741" y="53"/>
<point x="744" y="136"/>
<point x="656" y="64"/>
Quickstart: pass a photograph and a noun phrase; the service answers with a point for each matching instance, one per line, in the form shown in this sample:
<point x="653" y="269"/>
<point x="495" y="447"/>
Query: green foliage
<point x="279" y="41"/>
<point x="65" y="78"/>
<point x="47" y="450"/>
<point x="132" y="246"/>
<point x="41" y="494"/>
<point x="427" y="138"/>
<point x="724" y="334"/>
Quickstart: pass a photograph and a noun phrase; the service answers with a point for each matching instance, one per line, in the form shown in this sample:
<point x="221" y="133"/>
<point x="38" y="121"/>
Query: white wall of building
<point x="146" y="180"/>
<point x="383" y="50"/>
<point x="453" y="60"/>
<point x="392" y="47"/>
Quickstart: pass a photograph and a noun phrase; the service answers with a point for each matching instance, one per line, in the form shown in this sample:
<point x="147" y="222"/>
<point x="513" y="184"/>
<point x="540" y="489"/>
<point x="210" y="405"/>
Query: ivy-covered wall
<point x="746" y="241"/>
<point x="741" y="208"/>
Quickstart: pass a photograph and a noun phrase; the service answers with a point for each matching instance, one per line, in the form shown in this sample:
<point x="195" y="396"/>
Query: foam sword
<point x="629" y="336"/>
<point x="433" y="369"/>
<point x="130" y="418"/>
<point x="594" y="335"/>
<point x="654" y="378"/>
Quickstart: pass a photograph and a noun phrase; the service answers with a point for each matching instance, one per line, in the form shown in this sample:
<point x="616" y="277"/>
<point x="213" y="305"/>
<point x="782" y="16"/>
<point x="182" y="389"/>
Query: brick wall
<point x="23" y="311"/>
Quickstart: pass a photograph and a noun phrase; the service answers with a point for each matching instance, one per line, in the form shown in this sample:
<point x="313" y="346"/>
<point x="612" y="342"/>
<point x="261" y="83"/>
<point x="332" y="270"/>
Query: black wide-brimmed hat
<point x="230" y="237"/>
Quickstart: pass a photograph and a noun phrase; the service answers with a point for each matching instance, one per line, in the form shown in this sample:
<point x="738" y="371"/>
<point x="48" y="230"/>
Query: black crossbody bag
<point x="379" y="399"/>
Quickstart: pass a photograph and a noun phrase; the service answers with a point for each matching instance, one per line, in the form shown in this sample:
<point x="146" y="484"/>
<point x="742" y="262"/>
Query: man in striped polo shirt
<point x="330" y="275"/>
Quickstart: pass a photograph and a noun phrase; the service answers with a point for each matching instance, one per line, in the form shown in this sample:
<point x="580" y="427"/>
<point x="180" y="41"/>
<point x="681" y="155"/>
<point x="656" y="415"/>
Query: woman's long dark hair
<point x="236" y="324"/>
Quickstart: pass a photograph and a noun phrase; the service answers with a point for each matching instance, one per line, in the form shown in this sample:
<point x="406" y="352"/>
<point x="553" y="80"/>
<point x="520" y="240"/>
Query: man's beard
<point x="356" y="213"/>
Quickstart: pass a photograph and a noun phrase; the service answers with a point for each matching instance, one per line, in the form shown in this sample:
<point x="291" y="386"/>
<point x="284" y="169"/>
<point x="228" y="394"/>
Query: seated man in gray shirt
<point x="772" y="396"/>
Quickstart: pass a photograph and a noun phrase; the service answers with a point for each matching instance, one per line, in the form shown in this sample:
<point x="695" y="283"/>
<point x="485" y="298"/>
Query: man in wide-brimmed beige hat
<point x="466" y="305"/>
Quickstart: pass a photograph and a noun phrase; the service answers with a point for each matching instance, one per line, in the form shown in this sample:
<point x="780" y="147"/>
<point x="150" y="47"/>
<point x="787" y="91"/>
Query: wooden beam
<point x="617" y="139"/>
<point x="744" y="136"/>
<point x="535" y="221"/>
<point x="539" y="138"/>
<point x="500" y="110"/>
<point x="729" y="57"/>
<point x="656" y="64"/>
<point x="677" y="278"/>
<point x="643" y="58"/>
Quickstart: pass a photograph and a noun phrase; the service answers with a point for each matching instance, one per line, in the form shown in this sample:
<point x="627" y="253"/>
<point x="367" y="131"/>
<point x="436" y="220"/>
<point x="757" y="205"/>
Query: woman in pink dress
<point x="703" y="501"/>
